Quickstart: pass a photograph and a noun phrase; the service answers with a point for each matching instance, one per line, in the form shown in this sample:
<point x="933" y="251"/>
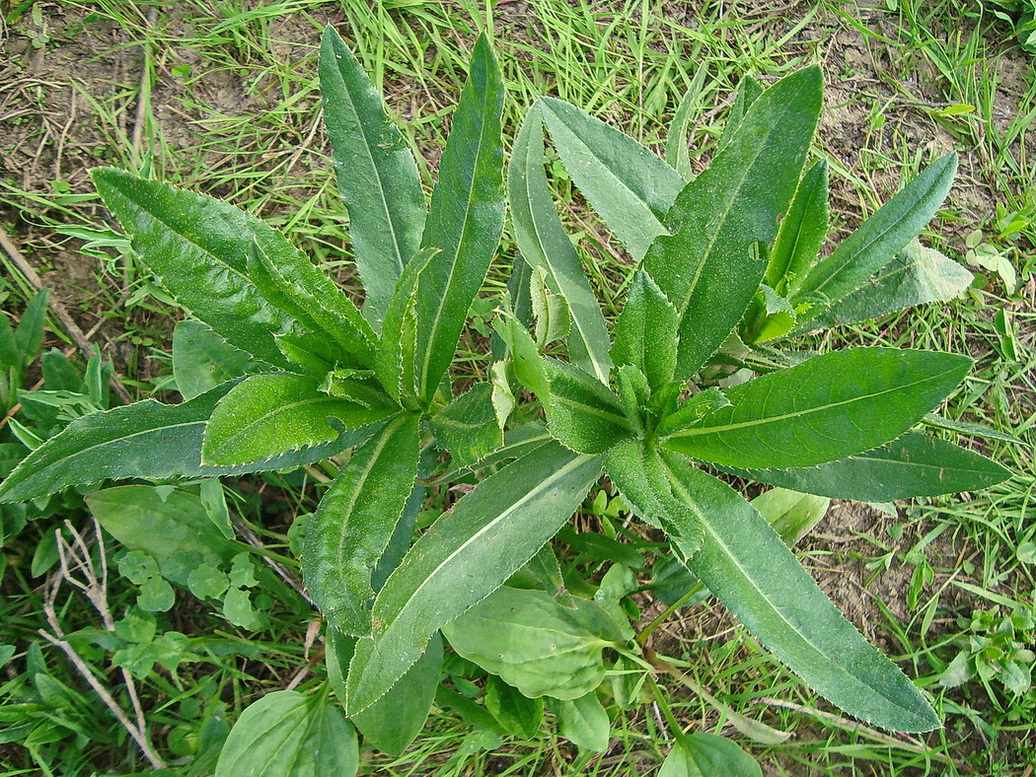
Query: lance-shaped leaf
<point x="291" y="283"/>
<point x="582" y="413"/>
<point x="286" y="734"/>
<point x="880" y="237"/>
<point x="143" y="440"/>
<point x="533" y="642"/>
<point x="909" y="466"/>
<point x="377" y="176"/>
<point x="676" y="152"/>
<point x="720" y="219"/>
<point x="802" y="230"/>
<point x="626" y="183"/>
<point x="543" y="243"/>
<point x="464" y="557"/>
<point x="468" y="426"/>
<point x="397" y="349"/>
<point x="465" y="220"/>
<point x="826" y="408"/>
<point x="270" y="414"/>
<point x="198" y="248"/>
<point x="645" y="334"/>
<point x="743" y="562"/>
<point x="748" y="91"/>
<point x="916" y="276"/>
<point x="354" y="522"/>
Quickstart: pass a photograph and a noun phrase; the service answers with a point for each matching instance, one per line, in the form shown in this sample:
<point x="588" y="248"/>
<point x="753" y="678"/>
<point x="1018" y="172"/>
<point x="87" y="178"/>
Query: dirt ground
<point x="65" y="104"/>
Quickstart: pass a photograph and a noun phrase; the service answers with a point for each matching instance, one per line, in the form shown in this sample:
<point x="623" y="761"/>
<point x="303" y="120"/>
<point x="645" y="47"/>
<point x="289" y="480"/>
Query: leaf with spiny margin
<point x="198" y="247"/>
<point x="525" y="358"/>
<point x="880" y="237"/>
<point x="286" y="734"/>
<point x="582" y="413"/>
<point x="743" y="562"/>
<point x="534" y="643"/>
<point x="802" y="231"/>
<point x="626" y="183"/>
<point x="826" y="408"/>
<point x="645" y="334"/>
<point x="909" y="466"/>
<point x="465" y="219"/>
<point x="748" y="91"/>
<point x="465" y="556"/>
<point x="693" y="409"/>
<point x="144" y="440"/>
<point x="637" y="471"/>
<point x="203" y="360"/>
<point x="676" y="153"/>
<point x="916" y="276"/>
<point x="710" y="266"/>
<point x="266" y="415"/>
<point x="290" y="282"/>
<point x="377" y="176"/>
<point x="635" y="396"/>
<point x="354" y="523"/>
<point x="543" y="243"/>
<point x="468" y="426"/>
<point x="397" y="348"/>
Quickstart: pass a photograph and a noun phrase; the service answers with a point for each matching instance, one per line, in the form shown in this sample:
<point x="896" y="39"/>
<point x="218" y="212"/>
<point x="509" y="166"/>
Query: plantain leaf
<point x="706" y="755"/>
<point x="877" y="241"/>
<point x="520" y="715"/>
<point x="826" y="408"/>
<point x="582" y="413"/>
<point x="626" y="183"/>
<point x="203" y="360"/>
<point x="532" y="642"/>
<point x="916" y="276"/>
<point x="267" y="415"/>
<point x="802" y="231"/>
<point x="143" y="440"/>
<point x="395" y="720"/>
<point x="909" y="466"/>
<point x="377" y="176"/>
<point x="465" y="220"/>
<point x="464" y="557"/>
<point x="710" y="265"/>
<point x="468" y="426"/>
<point x="584" y="722"/>
<point x="743" y="562"/>
<point x="286" y="734"/>
<point x="645" y="334"/>
<point x="354" y="522"/>
<point x="198" y="248"/>
<point x="543" y="243"/>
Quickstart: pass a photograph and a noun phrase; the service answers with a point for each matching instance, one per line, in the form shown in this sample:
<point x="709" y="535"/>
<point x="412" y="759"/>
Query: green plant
<point x="279" y="369"/>
<point x="995" y="645"/>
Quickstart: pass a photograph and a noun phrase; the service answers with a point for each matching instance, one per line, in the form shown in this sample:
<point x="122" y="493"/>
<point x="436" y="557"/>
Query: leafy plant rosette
<point x="279" y="369"/>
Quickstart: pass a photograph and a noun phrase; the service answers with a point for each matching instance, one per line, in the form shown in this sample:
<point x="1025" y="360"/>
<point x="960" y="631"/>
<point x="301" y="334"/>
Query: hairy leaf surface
<point x="826" y="408"/>
<point x="354" y="522"/>
<point x="468" y="426"/>
<point x="743" y="562"/>
<point x="645" y="334"/>
<point x="464" y="557"/>
<point x="377" y="176"/>
<point x="802" y="231"/>
<point x="582" y="413"/>
<point x="465" y="220"/>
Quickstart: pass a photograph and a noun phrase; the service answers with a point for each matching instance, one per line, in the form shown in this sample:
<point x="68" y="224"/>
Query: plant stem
<point x="646" y="632"/>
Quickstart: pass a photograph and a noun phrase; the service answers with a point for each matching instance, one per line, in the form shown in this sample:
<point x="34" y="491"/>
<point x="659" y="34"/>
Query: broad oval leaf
<point x="909" y="466"/>
<point x="740" y="558"/>
<point x="354" y="522"/>
<point x="144" y="440"/>
<point x="877" y="241"/>
<point x="465" y="219"/>
<point x="582" y="413"/>
<point x="543" y="243"/>
<point x="626" y="183"/>
<point x="584" y="722"/>
<point x="198" y="248"/>
<point x="270" y="414"/>
<point x="377" y="176"/>
<point x="464" y="557"/>
<point x="532" y="642"/>
<point x="708" y="755"/>
<point x="203" y="360"/>
<point x="710" y="265"/>
<point x="826" y="408"/>
<point x="286" y="734"/>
